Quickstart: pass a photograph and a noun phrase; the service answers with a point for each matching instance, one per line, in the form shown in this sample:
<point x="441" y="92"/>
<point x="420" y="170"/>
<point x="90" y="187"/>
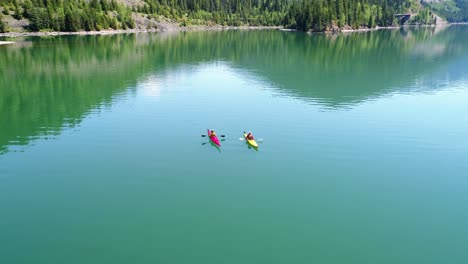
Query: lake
<point x="362" y="158"/>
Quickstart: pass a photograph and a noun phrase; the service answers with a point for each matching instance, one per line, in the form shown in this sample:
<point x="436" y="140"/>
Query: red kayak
<point x="214" y="139"/>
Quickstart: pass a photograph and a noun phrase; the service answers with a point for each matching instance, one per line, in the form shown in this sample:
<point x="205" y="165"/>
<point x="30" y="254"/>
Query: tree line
<point x="3" y="27"/>
<point x="315" y="15"/>
<point x="75" y="15"/>
<point x="320" y="15"/>
<point x="223" y="12"/>
<point x="71" y="15"/>
<point x="228" y="6"/>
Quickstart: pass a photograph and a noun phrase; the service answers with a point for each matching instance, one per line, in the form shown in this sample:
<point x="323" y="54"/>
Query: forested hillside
<point x="451" y="10"/>
<point x="223" y="12"/>
<point x="315" y="15"/>
<point x="75" y="15"/>
<point x="71" y="15"/>
<point x="319" y="15"/>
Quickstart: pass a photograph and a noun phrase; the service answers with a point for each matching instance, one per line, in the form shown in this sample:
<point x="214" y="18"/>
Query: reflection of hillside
<point x="344" y="69"/>
<point x="337" y="69"/>
<point x="56" y="81"/>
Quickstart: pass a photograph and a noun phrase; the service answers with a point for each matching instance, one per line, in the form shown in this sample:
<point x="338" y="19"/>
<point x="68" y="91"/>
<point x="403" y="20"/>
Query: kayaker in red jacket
<point x="249" y="136"/>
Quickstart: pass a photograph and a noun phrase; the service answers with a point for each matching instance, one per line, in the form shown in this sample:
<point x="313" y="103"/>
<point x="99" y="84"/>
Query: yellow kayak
<point x="251" y="142"/>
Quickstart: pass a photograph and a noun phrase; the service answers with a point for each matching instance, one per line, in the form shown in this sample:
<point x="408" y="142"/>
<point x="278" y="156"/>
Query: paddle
<point x="259" y="140"/>
<point x="212" y="130"/>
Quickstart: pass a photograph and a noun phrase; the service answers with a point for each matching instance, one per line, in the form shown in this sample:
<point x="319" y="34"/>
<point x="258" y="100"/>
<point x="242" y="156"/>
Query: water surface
<point x="362" y="159"/>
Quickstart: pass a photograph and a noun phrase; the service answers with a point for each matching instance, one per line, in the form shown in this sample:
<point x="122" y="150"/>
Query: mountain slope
<point x="315" y="15"/>
<point x="451" y="10"/>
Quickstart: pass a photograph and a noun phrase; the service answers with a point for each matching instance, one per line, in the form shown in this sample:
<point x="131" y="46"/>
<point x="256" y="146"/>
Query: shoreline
<point x="366" y="29"/>
<point x="458" y="23"/>
<point x="131" y="31"/>
<point x="386" y="28"/>
<point x="197" y="28"/>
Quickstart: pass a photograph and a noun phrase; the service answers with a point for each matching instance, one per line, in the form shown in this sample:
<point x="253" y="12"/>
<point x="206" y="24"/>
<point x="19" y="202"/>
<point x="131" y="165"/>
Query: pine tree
<point x="18" y="13"/>
<point x="72" y="21"/>
<point x="3" y="26"/>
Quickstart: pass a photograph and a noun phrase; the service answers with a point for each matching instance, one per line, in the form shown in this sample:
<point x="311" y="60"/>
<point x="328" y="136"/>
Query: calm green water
<point x="363" y="159"/>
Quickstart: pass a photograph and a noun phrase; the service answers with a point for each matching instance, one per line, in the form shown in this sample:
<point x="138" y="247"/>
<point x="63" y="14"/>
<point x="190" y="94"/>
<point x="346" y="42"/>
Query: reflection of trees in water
<point x="55" y="81"/>
<point x="336" y="69"/>
<point x="343" y="69"/>
<point x="50" y="83"/>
